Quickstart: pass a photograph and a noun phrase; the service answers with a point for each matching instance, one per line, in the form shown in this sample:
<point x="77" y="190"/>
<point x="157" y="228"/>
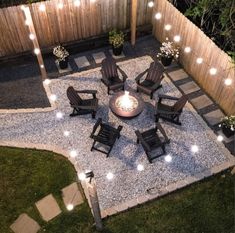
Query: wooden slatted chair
<point x="82" y="106"/>
<point x="153" y="79"/>
<point x="170" y="113"/>
<point x="150" y="140"/>
<point x="106" y="136"/>
<point x="110" y="75"/>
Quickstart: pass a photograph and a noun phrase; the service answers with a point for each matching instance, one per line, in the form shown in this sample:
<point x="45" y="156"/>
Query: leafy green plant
<point x="116" y="38"/>
<point x="229" y="122"/>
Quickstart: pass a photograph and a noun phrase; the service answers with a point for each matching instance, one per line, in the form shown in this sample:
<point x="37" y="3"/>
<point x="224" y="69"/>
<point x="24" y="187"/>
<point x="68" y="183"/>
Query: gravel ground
<point x="45" y="128"/>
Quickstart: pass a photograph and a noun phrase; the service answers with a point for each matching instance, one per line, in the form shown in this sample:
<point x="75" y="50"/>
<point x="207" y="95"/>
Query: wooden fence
<point x="201" y="46"/>
<point x="70" y="23"/>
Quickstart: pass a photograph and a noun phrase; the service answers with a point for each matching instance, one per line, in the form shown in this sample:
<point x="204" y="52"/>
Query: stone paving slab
<point x="214" y="117"/>
<point x="189" y="87"/>
<point x="82" y="62"/>
<point x="25" y="224"/>
<point x="201" y="102"/>
<point x="98" y="57"/>
<point x="72" y="195"/>
<point x="63" y="71"/>
<point x="48" y="207"/>
<point x="116" y="57"/>
<point x="177" y="75"/>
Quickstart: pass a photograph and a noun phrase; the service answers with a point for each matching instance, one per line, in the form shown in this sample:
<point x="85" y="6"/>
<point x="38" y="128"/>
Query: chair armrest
<point x="137" y="79"/>
<point x="165" y="112"/>
<point x="124" y="76"/>
<point x="143" y="143"/>
<point x="93" y="92"/>
<point x="84" y="107"/>
<point x="167" y="97"/>
<point x="158" y="126"/>
<point x="97" y="124"/>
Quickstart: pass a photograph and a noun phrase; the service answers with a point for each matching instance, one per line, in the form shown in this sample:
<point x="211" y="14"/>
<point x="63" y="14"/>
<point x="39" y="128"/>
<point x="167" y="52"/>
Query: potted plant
<point x="116" y="39"/>
<point x="168" y="51"/>
<point x="228" y="126"/>
<point x="62" y="56"/>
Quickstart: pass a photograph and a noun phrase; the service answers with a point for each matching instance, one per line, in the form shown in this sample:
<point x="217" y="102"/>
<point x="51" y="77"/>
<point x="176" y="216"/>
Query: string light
<point x="31" y="36"/>
<point x="36" y="51"/>
<point x="151" y="4"/>
<point x="167" y="27"/>
<point x="168" y="158"/>
<point x="158" y="16"/>
<point x="110" y="176"/>
<point x="77" y="3"/>
<point x="140" y="167"/>
<point x="177" y="38"/>
<point x="187" y="49"/>
<point x="70" y="207"/>
<point x="213" y="71"/>
<point x="73" y="153"/>
<point x="199" y="60"/>
<point x="228" y="81"/>
<point x="194" y="148"/>
<point x="220" y="138"/>
<point x="47" y="82"/>
<point x="59" y="115"/>
<point x="53" y="97"/>
<point x="60" y="5"/>
<point x="42" y="7"/>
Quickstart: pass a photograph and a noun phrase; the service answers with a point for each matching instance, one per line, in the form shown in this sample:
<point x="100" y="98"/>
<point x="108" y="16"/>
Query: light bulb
<point x="31" y="36"/>
<point x="151" y="4"/>
<point x="168" y="158"/>
<point x="220" y="138"/>
<point x="66" y="133"/>
<point x="199" y="60"/>
<point x="59" y="115"/>
<point x="158" y="16"/>
<point x="187" y="49"/>
<point x="82" y="176"/>
<point x="213" y="71"/>
<point x="47" y="82"/>
<point x="194" y="148"/>
<point x="140" y="167"/>
<point x="37" y="51"/>
<point x="70" y="207"/>
<point x="73" y="153"/>
<point x="168" y="27"/>
<point x="228" y="81"/>
<point x="177" y="38"/>
<point x="53" y="97"/>
<point x="110" y="176"/>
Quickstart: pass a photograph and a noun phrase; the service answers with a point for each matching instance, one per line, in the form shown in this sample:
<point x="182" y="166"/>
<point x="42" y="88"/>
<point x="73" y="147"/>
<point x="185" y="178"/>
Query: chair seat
<point x="152" y="139"/>
<point x="93" y="103"/>
<point x="164" y="107"/>
<point x="147" y="83"/>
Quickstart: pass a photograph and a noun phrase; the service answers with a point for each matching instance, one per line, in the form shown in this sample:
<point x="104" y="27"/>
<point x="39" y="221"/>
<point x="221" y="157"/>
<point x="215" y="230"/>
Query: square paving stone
<point x="25" y="224"/>
<point x="82" y="62"/>
<point x="178" y="75"/>
<point x="201" y="102"/>
<point x="72" y="195"/>
<point x="62" y="71"/>
<point x="48" y="207"/>
<point x="99" y="57"/>
<point x="116" y="57"/>
<point x="214" y="117"/>
<point x="189" y="87"/>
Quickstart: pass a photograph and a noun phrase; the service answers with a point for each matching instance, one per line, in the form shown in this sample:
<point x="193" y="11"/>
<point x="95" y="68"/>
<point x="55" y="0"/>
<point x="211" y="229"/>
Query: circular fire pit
<point x="126" y="104"/>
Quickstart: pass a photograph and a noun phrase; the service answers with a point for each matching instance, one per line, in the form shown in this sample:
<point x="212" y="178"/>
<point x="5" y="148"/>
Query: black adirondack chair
<point x="152" y="80"/>
<point x="150" y="140"/>
<point x="82" y="106"/>
<point x="110" y="75"/>
<point x="106" y="136"/>
<point x="170" y="112"/>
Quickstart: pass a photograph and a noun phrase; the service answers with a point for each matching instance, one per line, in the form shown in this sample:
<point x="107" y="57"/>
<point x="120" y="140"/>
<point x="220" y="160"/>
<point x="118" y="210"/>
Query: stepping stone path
<point x="178" y="75"/>
<point x="201" y="102"/>
<point x="214" y="117"/>
<point x="25" y="224"/>
<point x="48" y="207"/>
<point x="98" y="57"/>
<point x="72" y="195"/>
<point x="82" y="62"/>
<point x="189" y="87"/>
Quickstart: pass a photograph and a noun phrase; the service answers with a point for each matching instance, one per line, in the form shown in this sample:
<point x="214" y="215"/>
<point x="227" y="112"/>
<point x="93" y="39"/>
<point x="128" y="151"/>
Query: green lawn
<point x="28" y="175"/>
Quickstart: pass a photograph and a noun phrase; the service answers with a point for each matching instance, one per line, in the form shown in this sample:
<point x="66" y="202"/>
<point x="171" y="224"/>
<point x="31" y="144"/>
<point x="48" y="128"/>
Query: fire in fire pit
<point x="126" y="102"/>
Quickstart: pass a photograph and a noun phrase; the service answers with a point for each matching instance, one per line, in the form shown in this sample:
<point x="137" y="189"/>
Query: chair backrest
<point x="73" y="96"/>
<point x="155" y="73"/>
<point x="178" y="106"/>
<point x="109" y="68"/>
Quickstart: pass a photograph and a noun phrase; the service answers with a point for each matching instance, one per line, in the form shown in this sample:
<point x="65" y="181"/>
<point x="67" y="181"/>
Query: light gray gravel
<point x="44" y="128"/>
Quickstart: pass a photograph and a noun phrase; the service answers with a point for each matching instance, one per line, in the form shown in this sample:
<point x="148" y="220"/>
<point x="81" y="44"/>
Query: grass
<point x="28" y="175"/>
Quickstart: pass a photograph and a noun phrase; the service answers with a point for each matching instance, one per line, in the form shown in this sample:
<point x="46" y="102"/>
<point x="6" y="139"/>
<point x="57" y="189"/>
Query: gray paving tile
<point x="201" y="102"/>
<point x="214" y="117"/>
<point x="25" y="224"/>
<point x="72" y="195"/>
<point x="82" y="62"/>
<point x="62" y="71"/>
<point x="48" y="207"/>
<point x="189" y="87"/>
<point x="98" y="57"/>
<point x="177" y="75"/>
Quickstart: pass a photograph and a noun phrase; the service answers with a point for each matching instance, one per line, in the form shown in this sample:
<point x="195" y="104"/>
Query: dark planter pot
<point x="227" y="131"/>
<point x="117" y="51"/>
<point x="63" y="64"/>
<point x="166" y="61"/>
